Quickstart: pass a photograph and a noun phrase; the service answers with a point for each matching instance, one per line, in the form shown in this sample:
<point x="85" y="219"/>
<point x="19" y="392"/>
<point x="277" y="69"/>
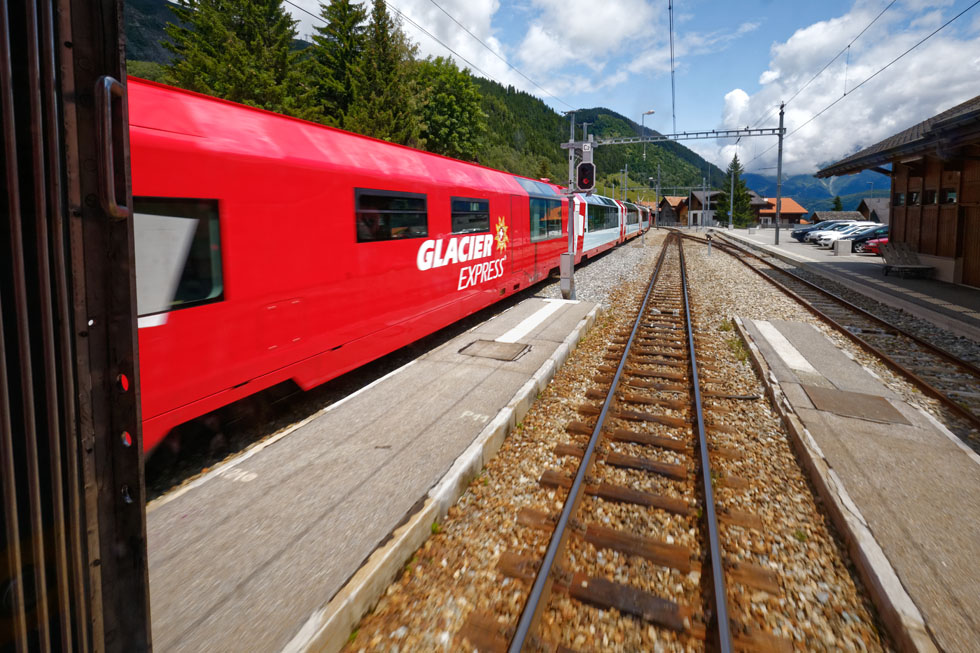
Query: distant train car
<point x="270" y="248"/>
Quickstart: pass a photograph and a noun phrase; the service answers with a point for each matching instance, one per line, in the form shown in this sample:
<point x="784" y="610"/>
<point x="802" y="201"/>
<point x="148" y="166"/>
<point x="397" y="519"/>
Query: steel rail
<point x="910" y="375"/>
<point x="714" y="542"/>
<point x="540" y="591"/>
<point x="935" y="349"/>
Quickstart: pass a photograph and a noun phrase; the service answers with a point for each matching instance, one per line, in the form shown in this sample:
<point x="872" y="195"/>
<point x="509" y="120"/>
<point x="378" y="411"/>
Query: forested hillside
<point x="506" y="129"/>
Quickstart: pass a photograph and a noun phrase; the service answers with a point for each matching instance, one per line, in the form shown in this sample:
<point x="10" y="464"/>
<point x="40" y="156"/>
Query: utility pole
<point x="779" y="171"/>
<point x="626" y="172"/>
<point x="567" y="262"/>
<point x="571" y="160"/>
<point x="731" y="201"/>
<point x="704" y="203"/>
<point x="658" y="195"/>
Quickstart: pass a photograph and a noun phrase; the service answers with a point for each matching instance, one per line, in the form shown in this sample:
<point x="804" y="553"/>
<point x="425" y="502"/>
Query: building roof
<point x="788" y="205"/>
<point x="821" y="216"/>
<point x="879" y="206"/>
<point x="757" y="200"/>
<point x="674" y="200"/>
<point x="701" y="194"/>
<point x="953" y="127"/>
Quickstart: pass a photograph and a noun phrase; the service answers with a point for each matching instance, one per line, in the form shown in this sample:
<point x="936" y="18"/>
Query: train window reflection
<point x="545" y="218"/>
<point x="387" y="215"/>
<point x="470" y="215"/>
<point x="178" y="253"/>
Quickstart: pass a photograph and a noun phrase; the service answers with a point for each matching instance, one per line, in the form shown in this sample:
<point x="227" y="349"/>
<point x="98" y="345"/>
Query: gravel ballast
<point x="820" y="606"/>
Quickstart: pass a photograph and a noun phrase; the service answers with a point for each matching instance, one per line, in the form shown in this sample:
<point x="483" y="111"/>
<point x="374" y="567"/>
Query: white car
<point x="828" y="238"/>
<point x="813" y="235"/>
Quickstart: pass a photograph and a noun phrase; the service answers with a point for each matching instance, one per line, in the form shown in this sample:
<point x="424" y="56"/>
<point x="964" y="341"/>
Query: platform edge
<point x="328" y="629"/>
<point x="895" y="607"/>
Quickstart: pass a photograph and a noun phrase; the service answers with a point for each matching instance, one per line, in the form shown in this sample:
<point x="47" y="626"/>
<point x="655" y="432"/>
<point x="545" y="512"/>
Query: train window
<point x="470" y="215"/>
<point x="913" y="198"/>
<point x="545" y="218"/>
<point x="602" y="217"/>
<point x="899" y="199"/>
<point x="178" y="253"/>
<point x="387" y="215"/>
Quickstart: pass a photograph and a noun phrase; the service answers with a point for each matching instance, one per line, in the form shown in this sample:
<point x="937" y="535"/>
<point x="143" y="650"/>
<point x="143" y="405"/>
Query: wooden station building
<point x="935" y="189"/>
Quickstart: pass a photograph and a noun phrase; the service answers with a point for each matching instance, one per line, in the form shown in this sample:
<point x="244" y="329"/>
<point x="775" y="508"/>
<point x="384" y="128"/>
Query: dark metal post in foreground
<point x="779" y="171"/>
<point x="73" y="572"/>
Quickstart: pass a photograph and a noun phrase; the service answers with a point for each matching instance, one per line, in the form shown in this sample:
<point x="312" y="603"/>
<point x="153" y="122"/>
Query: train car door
<point x="522" y="253"/>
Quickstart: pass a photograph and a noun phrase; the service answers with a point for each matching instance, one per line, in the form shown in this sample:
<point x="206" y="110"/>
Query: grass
<point x="436" y="528"/>
<point x="738" y="348"/>
<point x="353" y="636"/>
<point x="800" y="535"/>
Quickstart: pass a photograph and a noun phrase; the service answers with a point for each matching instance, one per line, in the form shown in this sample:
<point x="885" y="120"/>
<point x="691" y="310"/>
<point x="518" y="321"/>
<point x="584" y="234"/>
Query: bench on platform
<point x="901" y="258"/>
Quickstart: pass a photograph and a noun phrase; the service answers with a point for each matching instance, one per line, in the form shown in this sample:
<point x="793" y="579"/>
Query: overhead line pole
<point x="779" y="171"/>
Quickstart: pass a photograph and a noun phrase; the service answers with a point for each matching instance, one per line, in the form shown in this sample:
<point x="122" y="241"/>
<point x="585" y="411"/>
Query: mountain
<point x="523" y="133"/>
<point x="144" y="21"/>
<point x="818" y="194"/>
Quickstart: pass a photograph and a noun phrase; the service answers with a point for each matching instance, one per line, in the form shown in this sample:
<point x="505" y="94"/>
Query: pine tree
<point x="453" y="124"/>
<point x="239" y="50"/>
<point x="384" y="96"/>
<point x="838" y="205"/>
<point x="334" y="57"/>
<point x="743" y="215"/>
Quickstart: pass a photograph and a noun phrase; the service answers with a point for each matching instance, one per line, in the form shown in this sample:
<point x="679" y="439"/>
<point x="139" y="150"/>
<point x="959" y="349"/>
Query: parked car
<point x="858" y="239"/>
<point x="800" y="233"/>
<point x="811" y="236"/>
<point x="827" y="239"/>
<point x="871" y="247"/>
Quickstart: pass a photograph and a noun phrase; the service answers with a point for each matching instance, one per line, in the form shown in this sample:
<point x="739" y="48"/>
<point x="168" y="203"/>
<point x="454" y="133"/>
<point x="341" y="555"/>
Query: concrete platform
<point x="953" y="307"/>
<point x="900" y="487"/>
<point x="257" y="555"/>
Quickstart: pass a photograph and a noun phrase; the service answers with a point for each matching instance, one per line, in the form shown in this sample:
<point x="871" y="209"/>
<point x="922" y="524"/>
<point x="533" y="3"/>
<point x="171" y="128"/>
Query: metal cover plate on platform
<point x="854" y="404"/>
<point x="501" y="351"/>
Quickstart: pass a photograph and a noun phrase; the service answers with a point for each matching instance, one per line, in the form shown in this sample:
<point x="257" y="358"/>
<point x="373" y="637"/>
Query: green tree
<point x="453" y="124"/>
<point x="335" y="56"/>
<point x="838" y="205"/>
<point x="145" y="69"/>
<point x="384" y="96"/>
<point x="239" y="50"/>
<point x="743" y="214"/>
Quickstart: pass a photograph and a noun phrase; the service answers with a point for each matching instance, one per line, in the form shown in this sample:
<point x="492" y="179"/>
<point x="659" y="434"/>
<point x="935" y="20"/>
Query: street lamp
<point x="872" y="185"/>
<point x="642" y="117"/>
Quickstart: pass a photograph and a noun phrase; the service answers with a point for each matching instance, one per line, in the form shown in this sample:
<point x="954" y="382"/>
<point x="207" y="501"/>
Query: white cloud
<point x="560" y="33"/>
<point x="768" y="76"/>
<point x="937" y="75"/>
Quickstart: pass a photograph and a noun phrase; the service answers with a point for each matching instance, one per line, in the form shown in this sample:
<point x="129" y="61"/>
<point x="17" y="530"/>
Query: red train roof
<point x="246" y="131"/>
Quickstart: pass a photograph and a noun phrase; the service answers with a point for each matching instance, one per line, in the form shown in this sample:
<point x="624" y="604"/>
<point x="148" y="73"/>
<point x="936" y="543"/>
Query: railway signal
<point x="585" y="176"/>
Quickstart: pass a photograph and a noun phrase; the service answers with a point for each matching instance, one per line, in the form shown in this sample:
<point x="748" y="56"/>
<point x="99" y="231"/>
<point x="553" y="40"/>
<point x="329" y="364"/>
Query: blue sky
<point x="734" y="62"/>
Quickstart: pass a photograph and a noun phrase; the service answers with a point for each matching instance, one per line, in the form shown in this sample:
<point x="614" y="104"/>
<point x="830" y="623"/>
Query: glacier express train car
<point x="271" y="249"/>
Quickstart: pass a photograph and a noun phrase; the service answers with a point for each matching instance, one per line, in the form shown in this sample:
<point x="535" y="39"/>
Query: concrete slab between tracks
<point x="288" y="545"/>
<point x="898" y="485"/>
<point x="953" y="307"/>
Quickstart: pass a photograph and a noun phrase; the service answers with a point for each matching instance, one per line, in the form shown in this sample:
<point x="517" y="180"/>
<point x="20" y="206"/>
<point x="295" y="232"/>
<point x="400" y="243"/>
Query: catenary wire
<point x="494" y="53"/>
<point x="417" y="26"/>
<point x="440" y="42"/>
<point x="870" y="77"/>
<point x="828" y="64"/>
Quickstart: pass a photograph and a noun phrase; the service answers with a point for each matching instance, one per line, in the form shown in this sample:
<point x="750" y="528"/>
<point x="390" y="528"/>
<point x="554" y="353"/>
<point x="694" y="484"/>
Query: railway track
<point x="644" y="445"/>
<point x="938" y="373"/>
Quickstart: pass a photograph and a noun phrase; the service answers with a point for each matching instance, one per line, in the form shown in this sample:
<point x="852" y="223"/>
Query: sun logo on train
<point x="501" y="234"/>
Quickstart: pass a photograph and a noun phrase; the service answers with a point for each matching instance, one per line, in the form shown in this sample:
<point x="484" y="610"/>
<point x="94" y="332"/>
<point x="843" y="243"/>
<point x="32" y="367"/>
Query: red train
<point x="270" y="248"/>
